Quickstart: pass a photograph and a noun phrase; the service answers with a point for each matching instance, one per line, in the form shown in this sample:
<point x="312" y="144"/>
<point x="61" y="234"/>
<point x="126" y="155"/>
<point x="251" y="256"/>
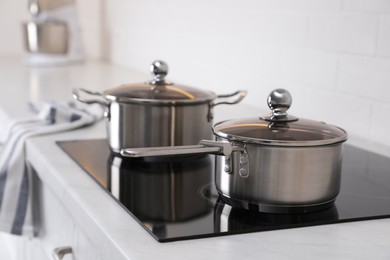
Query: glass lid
<point x="158" y="90"/>
<point x="279" y="128"/>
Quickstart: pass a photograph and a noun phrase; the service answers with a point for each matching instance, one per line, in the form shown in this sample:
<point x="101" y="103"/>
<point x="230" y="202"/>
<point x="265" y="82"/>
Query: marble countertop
<point x="111" y="228"/>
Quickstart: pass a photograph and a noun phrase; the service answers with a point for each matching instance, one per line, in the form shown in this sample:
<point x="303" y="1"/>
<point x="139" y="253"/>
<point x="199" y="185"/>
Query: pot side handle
<point x="241" y="94"/>
<point x="77" y="96"/>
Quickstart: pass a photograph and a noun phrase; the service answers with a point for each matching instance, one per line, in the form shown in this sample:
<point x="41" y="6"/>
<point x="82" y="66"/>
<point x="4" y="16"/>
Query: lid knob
<point x="279" y="101"/>
<point x="159" y="70"/>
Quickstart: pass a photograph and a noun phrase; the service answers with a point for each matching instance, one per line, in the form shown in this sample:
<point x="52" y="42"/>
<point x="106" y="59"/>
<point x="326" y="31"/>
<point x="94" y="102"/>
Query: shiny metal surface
<point x="46" y="37"/>
<point x="225" y="99"/>
<point x="33" y="7"/>
<point x="282" y="176"/>
<point x="157" y="113"/>
<point x="283" y="162"/>
<point x="228" y="218"/>
<point x="169" y="150"/>
<point x="159" y="70"/>
<point x="36" y="7"/>
<point x="268" y="178"/>
<point x="302" y="132"/>
<point x="279" y="101"/>
<point x="159" y="91"/>
<point x="279" y="128"/>
<point x="163" y="190"/>
<point x="204" y="147"/>
<point x="134" y="125"/>
<point x="364" y="195"/>
<point x="77" y="95"/>
<point x="60" y="252"/>
<point x="289" y="163"/>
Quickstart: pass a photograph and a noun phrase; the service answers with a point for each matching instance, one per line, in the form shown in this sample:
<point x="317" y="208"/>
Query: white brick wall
<point x="308" y="67"/>
<point x="367" y="6"/>
<point x="333" y="55"/>
<point x="384" y="37"/>
<point x="365" y="77"/>
<point x="313" y="5"/>
<point x="11" y="17"/>
<point x="344" y="32"/>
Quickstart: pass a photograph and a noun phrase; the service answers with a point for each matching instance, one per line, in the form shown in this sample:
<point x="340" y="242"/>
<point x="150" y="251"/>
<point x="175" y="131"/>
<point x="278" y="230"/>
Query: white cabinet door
<point x="9" y="245"/>
<point x="14" y="247"/>
<point x="57" y="228"/>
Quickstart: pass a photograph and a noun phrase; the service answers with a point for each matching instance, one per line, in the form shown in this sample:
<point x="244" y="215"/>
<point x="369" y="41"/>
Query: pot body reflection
<point x="166" y="190"/>
<point x="230" y="219"/>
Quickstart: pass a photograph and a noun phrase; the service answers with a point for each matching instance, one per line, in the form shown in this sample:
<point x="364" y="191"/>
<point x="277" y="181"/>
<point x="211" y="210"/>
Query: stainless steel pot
<point x="158" y="112"/>
<point x="276" y="163"/>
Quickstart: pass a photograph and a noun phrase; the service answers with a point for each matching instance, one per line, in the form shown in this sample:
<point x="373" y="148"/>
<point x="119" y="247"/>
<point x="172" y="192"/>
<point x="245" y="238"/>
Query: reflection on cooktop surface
<point x="175" y="198"/>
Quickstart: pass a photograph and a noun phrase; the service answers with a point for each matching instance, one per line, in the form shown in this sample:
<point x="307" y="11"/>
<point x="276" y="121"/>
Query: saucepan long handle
<point x="204" y="147"/>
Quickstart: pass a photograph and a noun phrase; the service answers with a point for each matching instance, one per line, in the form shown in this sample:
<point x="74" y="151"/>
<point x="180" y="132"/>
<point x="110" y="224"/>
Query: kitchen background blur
<point x="333" y="55"/>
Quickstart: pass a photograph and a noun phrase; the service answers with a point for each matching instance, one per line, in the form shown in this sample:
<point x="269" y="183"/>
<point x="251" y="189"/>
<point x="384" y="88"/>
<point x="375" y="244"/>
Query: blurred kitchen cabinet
<point x="20" y="248"/>
<point x="57" y="229"/>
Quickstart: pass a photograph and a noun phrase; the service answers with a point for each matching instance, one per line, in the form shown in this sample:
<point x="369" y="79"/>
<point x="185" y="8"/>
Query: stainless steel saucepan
<point x="276" y="163"/>
<point x="158" y="112"/>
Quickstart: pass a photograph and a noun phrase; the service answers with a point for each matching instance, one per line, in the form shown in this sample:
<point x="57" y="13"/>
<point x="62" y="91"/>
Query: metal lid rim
<point x="159" y="101"/>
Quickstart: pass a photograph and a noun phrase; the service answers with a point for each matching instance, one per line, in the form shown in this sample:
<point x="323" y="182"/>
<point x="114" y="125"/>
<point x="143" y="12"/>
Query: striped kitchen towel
<point x="15" y="174"/>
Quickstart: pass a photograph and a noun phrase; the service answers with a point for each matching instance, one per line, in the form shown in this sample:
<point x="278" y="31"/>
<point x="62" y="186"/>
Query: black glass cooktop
<point x="175" y="199"/>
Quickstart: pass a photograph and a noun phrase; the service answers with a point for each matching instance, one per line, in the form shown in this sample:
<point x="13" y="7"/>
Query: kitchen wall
<point x="333" y="55"/>
<point x="11" y="16"/>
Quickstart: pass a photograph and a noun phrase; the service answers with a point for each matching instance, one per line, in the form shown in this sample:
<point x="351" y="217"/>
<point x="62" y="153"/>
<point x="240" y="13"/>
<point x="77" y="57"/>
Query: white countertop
<point x="108" y="225"/>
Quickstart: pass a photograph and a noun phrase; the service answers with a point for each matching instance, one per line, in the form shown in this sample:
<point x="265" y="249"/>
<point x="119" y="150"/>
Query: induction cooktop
<point x="175" y="198"/>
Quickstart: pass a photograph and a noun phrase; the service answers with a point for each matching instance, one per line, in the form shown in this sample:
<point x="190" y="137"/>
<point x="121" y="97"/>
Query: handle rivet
<point x="244" y="160"/>
<point x="243" y="172"/>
